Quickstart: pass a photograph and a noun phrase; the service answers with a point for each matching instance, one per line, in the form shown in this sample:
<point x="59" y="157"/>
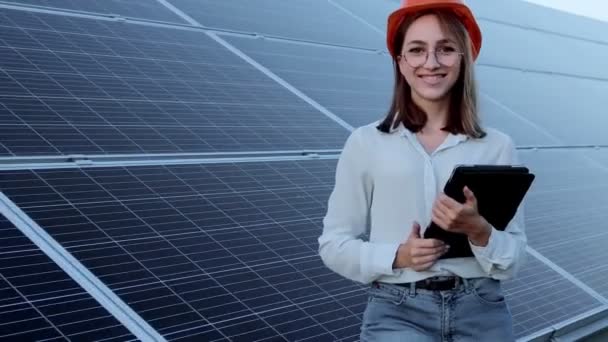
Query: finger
<point x="440" y="219"/>
<point x="442" y="224"/>
<point x="448" y="202"/>
<point x="420" y="252"/>
<point x="426" y="259"/>
<point x="415" y="232"/>
<point x="440" y="205"/>
<point x="469" y="195"/>
<point x="426" y="243"/>
<point x="441" y="214"/>
<point x="424" y="267"/>
<point x="449" y="213"/>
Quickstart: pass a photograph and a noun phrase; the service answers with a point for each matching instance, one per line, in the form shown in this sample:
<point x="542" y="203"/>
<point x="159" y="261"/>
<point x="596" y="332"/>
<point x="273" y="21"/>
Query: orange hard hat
<point x="410" y="7"/>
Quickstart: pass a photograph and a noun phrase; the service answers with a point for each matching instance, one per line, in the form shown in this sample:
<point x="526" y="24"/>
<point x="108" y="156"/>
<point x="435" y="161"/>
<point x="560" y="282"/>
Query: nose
<point x="431" y="60"/>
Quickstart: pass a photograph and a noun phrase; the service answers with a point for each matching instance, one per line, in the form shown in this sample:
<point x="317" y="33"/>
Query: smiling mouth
<point x="432" y="77"/>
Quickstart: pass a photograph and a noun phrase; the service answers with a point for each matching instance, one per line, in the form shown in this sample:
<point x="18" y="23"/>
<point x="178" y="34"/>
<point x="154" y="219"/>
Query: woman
<point x="388" y="183"/>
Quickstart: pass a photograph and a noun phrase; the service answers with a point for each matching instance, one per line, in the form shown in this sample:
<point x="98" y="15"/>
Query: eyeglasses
<point x="417" y="56"/>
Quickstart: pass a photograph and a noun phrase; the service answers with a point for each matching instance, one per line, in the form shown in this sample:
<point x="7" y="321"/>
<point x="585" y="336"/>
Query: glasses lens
<point x="447" y="58"/>
<point x="415" y="58"/>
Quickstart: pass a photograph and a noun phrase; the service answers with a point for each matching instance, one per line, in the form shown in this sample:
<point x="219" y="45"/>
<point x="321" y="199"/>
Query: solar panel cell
<point x="26" y="19"/>
<point x="9" y="87"/>
<point x="11" y="59"/>
<point x="17" y="38"/>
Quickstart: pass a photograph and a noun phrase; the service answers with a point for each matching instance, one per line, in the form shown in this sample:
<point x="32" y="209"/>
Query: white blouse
<point x="385" y="182"/>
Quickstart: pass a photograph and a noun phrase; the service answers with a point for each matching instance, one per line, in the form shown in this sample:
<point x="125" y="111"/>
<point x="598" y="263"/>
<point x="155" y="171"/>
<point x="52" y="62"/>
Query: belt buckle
<point x="441" y="284"/>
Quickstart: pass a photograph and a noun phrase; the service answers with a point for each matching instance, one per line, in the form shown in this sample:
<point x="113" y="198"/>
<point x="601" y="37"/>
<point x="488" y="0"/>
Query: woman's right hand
<point x="417" y="253"/>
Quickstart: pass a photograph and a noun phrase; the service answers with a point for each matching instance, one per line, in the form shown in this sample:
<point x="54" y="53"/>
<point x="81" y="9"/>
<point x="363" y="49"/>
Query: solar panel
<point x="540" y="297"/>
<point x="548" y="53"/>
<point x="598" y="156"/>
<point x="230" y="248"/>
<point x="529" y="15"/>
<point x="357" y="85"/>
<point x="195" y="248"/>
<point x="39" y="301"/>
<point x="124" y="88"/>
<point x="143" y="9"/>
<point x="228" y="251"/>
<point x="308" y="21"/>
<point x="563" y="119"/>
<point x="523" y="132"/>
<point x="568" y="211"/>
<point x="548" y="68"/>
<point x="373" y="12"/>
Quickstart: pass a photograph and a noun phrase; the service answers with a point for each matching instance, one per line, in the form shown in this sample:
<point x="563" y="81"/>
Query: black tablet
<point x="499" y="189"/>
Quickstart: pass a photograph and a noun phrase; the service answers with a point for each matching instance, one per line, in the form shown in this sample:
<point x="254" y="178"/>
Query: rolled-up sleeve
<point x="505" y="252"/>
<point x="340" y="245"/>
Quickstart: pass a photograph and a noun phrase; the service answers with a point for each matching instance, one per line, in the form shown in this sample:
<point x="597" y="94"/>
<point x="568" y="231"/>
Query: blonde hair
<point x="463" y="118"/>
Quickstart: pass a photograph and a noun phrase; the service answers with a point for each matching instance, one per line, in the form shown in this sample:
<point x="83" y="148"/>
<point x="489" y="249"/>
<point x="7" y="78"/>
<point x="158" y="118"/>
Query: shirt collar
<point x="403" y="131"/>
<point x="450" y="141"/>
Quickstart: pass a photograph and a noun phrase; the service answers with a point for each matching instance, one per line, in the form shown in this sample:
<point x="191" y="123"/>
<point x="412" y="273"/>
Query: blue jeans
<point x="476" y="311"/>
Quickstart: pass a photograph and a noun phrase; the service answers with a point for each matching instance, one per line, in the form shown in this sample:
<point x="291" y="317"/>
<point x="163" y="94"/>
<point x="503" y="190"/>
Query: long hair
<point x="463" y="112"/>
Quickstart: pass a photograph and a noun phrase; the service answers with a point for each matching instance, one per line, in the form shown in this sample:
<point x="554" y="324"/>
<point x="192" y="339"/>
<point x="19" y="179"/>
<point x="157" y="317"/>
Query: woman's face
<point x="430" y="78"/>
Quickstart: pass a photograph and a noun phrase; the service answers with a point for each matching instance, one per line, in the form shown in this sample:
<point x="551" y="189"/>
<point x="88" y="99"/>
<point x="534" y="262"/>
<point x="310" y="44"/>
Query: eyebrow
<point x="442" y="41"/>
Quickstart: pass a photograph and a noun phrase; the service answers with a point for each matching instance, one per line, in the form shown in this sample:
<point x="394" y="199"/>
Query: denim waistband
<point x="463" y="285"/>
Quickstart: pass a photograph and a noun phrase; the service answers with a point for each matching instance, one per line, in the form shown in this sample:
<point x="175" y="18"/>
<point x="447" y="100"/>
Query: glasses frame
<point x="426" y="59"/>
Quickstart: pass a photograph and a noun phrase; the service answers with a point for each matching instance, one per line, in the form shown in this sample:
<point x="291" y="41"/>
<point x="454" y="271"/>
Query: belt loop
<point x="413" y="289"/>
<point x="467" y="287"/>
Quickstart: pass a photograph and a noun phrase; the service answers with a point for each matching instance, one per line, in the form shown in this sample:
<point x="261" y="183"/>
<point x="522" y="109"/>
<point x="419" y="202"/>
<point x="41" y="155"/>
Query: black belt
<point x="436" y="284"/>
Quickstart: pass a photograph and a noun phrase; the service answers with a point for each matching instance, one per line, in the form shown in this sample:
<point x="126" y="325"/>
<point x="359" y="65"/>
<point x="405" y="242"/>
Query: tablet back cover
<point x="499" y="192"/>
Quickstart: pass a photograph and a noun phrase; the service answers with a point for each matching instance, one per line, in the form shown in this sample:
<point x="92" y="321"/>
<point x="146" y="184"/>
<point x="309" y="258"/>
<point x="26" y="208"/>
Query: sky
<point x="597" y="9"/>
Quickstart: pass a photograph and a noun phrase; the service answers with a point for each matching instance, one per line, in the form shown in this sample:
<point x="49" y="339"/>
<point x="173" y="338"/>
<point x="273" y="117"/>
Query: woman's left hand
<point x="463" y="218"/>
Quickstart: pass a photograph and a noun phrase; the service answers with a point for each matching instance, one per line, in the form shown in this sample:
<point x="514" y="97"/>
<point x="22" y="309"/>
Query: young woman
<point x="388" y="185"/>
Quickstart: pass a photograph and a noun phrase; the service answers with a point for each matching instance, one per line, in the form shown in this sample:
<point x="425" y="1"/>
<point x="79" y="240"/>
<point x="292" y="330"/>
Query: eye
<point x="446" y="49"/>
<point x="416" y="50"/>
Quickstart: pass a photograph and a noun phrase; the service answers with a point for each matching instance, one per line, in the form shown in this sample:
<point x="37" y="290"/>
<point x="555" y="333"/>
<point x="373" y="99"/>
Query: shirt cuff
<point x="488" y="250"/>
<point x="381" y="257"/>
